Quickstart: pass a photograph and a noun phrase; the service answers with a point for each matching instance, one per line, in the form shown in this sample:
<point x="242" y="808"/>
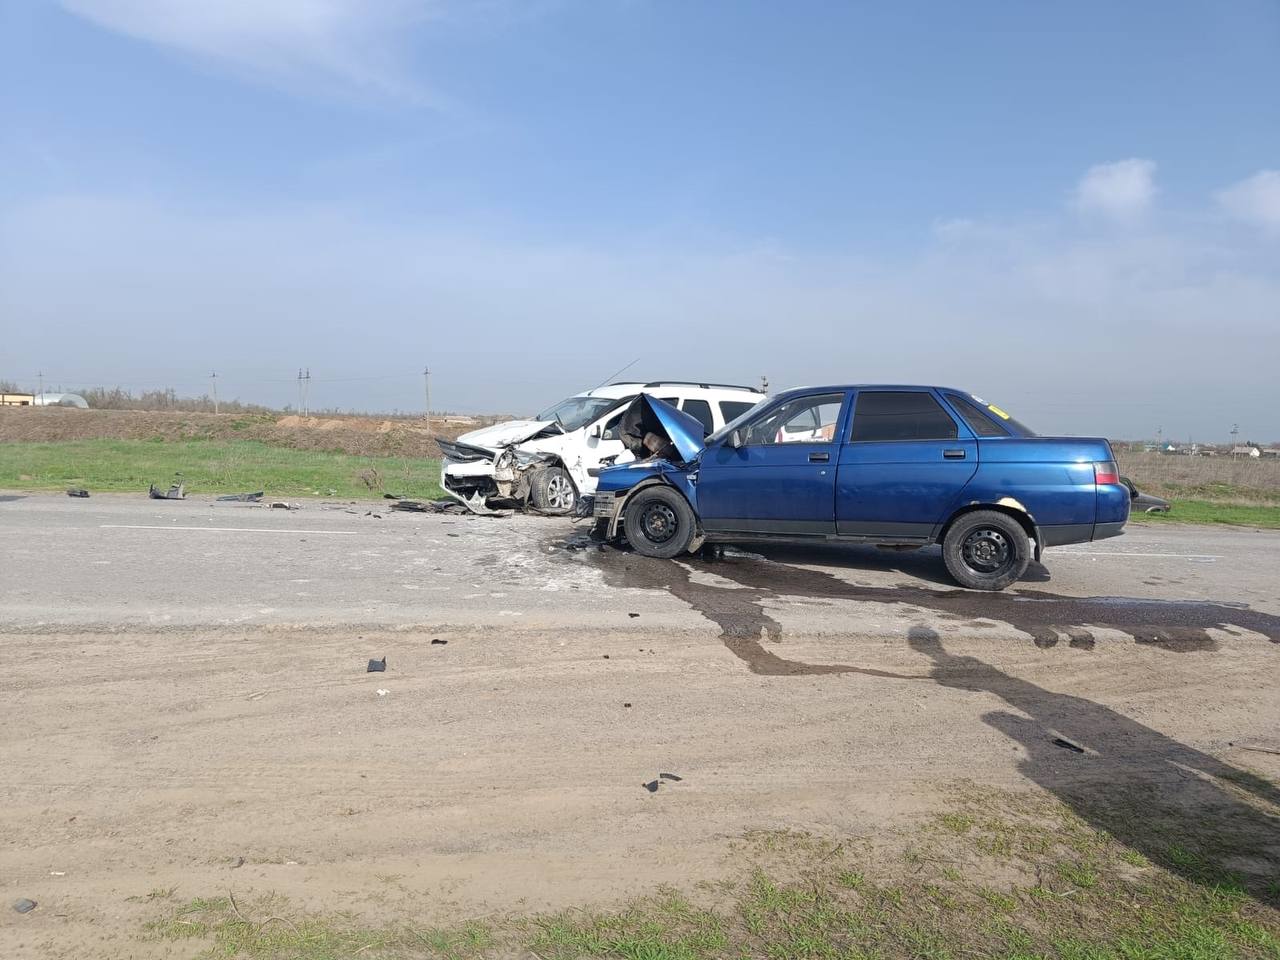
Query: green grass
<point x="1060" y="890"/>
<point x="1204" y="511"/>
<point x="211" y="466"/>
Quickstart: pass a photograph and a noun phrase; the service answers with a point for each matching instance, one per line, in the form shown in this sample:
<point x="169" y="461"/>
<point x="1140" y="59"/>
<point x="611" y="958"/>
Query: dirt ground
<point x="360" y="436"/>
<point x="186" y="709"/>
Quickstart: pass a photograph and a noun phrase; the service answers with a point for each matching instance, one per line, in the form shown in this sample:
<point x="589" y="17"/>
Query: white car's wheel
<point x="553" y="492"/>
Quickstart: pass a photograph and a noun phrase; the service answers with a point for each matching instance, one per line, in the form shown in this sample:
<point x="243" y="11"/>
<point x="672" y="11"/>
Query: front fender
<point x="625" y="481"/>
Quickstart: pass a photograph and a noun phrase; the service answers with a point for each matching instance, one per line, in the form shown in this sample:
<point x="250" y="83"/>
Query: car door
<point x="903" y="466"/>
<point x="781" y="478"/>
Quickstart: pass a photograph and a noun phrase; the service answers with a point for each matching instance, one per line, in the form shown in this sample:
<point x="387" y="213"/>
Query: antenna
<point x="426" y="379"/>
<point x="618" y="374"/>
<point x="213" y="375"/>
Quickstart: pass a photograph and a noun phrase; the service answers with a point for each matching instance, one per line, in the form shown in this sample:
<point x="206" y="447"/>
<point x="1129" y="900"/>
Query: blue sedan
<point x="894" y="465"/>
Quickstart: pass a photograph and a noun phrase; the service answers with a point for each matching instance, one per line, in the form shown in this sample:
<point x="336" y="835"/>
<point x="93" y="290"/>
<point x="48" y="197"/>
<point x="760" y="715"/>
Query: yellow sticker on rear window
<point x="997" y="411"/>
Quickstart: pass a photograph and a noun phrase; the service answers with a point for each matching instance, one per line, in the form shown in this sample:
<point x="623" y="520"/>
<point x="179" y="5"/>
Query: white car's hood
<point x="501" y="434"/>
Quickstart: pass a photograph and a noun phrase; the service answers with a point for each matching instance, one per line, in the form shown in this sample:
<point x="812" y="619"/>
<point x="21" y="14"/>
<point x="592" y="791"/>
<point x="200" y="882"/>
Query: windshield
<point x="576" y="412"/>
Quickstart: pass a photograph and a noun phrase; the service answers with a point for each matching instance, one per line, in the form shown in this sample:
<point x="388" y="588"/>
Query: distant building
<point x="61" y="400"/>
<point x="17" y="399"/>
<point x="1246" y="452"/>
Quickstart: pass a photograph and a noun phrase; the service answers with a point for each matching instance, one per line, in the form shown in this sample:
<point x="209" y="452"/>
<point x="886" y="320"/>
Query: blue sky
<point x="1072" y="209"/>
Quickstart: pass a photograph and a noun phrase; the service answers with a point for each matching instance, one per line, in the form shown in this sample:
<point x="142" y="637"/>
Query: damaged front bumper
<point x="486" y="481"/>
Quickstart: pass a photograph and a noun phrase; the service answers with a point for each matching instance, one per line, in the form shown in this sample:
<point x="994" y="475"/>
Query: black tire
<point x="659" y="523"/>
<point x="552" y="491"/>
<point x="986" y="550"/>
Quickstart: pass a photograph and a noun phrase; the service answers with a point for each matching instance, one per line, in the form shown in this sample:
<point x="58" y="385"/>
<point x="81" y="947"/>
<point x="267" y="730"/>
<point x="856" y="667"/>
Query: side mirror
<point x="735" y="439"/>
<point x="597" y="432"/>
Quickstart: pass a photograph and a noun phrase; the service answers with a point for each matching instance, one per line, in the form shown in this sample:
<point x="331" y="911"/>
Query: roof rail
<point x="686" y="383"/>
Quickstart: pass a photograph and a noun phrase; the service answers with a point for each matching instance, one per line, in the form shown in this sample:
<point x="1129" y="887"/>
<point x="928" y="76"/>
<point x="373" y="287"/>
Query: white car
<point x="551" y="460"/>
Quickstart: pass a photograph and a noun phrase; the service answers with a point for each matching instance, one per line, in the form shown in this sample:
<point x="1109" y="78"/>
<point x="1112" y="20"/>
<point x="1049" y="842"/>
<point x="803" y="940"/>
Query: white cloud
<point x="1255" y="199"/>
<point x="1120" y="191"/>
<point x="345" y="44"/>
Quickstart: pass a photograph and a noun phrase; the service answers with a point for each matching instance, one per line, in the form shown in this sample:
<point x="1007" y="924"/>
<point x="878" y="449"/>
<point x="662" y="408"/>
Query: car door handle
<point x="953" y="454"/>
<point x="819" y="458"/>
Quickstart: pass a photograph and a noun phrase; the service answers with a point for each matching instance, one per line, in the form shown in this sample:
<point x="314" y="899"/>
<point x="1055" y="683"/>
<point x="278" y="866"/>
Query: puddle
<point x="738" y="607"/>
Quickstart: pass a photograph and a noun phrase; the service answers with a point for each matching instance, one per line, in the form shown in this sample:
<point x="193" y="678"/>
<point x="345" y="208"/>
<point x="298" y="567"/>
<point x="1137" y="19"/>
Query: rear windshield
<point x="986" y="419"/>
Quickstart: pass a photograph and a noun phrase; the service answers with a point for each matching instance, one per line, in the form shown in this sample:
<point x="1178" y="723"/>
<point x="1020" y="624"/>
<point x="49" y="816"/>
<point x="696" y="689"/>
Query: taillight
<point x="1106" y="471"/>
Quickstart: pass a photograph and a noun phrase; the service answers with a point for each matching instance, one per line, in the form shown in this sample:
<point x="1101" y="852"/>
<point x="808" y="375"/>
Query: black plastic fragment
<point x="241" y="497"/>
<point x="77" y="492"/>
<point x="377" y="666"/>
<point x="651" y="786"/>
<point x="633" y="615"/>
<point x="438" y="642"/>
<point x="669" y="776"/>
<point x="24" y="905"/>
<point x="1067" y="745"/>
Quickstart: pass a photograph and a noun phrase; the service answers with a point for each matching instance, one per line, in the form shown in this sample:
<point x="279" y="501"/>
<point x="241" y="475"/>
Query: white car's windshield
<point x="576" y="412"/>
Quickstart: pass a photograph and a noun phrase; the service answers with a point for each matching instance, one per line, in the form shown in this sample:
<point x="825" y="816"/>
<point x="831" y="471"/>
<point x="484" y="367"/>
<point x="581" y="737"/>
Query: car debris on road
<point x="377" y="666"/>
<point x="80" y="492"/>
<point x="241" y="497"/>
<point x="176" y="491"/>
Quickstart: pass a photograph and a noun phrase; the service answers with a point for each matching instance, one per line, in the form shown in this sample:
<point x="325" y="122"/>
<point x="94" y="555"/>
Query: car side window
<point x="900" y="415"/>
<point x="731" y="410"/>
<point x="701" y="411"/>
<point x="802" y="420"/>
<point x="674" y="401"/>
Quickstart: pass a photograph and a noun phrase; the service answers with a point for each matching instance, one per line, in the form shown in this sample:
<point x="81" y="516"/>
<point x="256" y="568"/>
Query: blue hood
<point x="649" y="415"/>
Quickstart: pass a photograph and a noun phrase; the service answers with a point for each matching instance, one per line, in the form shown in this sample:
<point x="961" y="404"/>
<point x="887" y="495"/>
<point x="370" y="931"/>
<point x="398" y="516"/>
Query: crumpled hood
<point x="649" y="415"/>
<point x="501" y="434"/>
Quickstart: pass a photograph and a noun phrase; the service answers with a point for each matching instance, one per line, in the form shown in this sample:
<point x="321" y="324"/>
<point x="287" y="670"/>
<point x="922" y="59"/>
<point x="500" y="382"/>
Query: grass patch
<point x="1066" y="891"/>
<point x="1204" y="511"/>
<point x="212" y="466"/>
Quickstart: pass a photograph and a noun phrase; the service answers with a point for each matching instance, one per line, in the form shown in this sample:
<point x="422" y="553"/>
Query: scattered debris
<point x="383" y="692"/>
<point x="77" y="492"/>
<point x="24" y="905"/>
<point x="377" y="666"/>
<point x="57" y="873"/>
<point x="438" y="642"/>
<point x="669" y="776"/>
<point x="651" y="786"/>
<point x="633" y="615"/>
<point x="627" y="705"/>
<point x="238" y="864"/>
<point x="241" y="497"/>
<point x="284" y="505"/>
<point x="176" y="491"/>
<point x="415" y="506"/>
<point x="392" y="496"/>
<point x="376" y="516"/>
<point x="1067" y="745"/>
<point x="606" y="656"/>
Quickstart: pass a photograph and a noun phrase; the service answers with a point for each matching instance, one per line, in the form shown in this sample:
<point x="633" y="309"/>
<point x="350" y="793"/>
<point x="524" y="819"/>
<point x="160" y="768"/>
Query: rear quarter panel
<point x="1052" y="478"/>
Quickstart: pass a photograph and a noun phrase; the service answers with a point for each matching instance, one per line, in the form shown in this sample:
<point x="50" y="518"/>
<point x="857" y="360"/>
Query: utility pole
<point x="40" y="377"/>
<point x="1235" y="432"/>
<point x="213" y="376"/>
<point x="426" y="380"/>
<point x="306" y="394"/>
<point x="299" y="390"/>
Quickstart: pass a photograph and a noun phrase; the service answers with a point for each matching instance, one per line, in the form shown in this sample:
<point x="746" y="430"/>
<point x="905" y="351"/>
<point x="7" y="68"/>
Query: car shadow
<point x="924" y="563"/>
<point x="1189" y="812"/>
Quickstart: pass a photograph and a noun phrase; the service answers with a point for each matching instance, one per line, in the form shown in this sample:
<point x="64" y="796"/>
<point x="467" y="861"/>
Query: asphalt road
<point x="116" y="562"/>
<point x="184" y="703"/>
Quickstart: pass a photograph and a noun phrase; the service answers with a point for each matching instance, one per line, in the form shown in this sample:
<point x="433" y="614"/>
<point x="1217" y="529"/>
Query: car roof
<point x="841" y="387"/>
<point x="619" y="390"/>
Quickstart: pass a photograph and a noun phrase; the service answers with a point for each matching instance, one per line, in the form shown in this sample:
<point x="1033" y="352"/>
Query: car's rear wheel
<point x="659" y="523"/>
<point x="552" y="491"/>
<point x="986" y="550"/>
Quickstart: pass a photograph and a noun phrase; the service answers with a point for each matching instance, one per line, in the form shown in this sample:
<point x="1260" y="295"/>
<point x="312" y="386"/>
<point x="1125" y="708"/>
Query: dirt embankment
<point x="361" y="436"/>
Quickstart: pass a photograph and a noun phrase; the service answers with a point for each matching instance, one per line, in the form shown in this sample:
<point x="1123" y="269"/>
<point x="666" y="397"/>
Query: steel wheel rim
<point x="559" y="492"/>
<point x="987" y="551"/>
<point x="658" y="522"/>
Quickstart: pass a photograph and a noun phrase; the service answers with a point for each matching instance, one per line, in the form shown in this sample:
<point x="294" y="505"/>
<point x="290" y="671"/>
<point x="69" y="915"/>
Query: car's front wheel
<point x="552" y="491"/>
<point x="986" y="550"/>
<point x="659" y="523"/>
